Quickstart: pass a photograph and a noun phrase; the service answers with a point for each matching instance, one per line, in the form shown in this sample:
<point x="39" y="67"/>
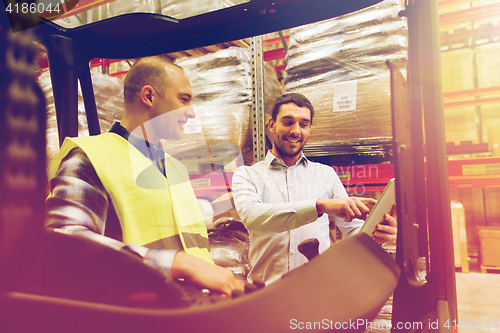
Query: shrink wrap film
<point x="350" y="48"/>
<point x="119" y="7"/>
<point x="372" y="117"/>
<point x="229" y="244"/>
<point x="173" y="8"/>
<point x="222" y="95"/>
<point x="187" y="8"/>
<point x="108" y="94"/>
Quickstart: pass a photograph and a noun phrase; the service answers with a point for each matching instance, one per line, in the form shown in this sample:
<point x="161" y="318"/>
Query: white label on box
<point x="193" y="125"/>
<point x="344" y="96"/>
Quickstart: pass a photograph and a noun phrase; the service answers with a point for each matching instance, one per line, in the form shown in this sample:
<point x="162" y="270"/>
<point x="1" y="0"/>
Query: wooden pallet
<point x="484" y="269"/>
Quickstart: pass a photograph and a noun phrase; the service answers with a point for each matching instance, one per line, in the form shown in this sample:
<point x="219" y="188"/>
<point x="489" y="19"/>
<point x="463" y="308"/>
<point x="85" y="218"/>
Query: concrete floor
<point x="478" y="296"/>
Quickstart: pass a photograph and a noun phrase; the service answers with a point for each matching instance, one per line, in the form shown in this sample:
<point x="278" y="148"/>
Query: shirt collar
<point x="275" y="161"/>
<point x="146" y="148"/>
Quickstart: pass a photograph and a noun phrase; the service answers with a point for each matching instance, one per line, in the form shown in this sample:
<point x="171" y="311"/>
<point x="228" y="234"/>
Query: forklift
<point x="37" y="264"/>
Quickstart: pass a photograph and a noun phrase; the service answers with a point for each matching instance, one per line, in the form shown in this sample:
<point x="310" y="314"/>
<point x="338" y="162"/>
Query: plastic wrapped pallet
<point x="229" y="244"/>
<point x="108" y="93"/>
<point x="222" y="95"/>
<point x="174" y="8"/>
<point x="351" y="48"/>
<point x="119" y="7"/>
<point x="187" y="8"/>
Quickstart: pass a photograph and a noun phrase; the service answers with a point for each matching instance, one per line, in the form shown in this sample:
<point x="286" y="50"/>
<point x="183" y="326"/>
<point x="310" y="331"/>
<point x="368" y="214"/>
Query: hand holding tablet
<point x="383" y="206"/>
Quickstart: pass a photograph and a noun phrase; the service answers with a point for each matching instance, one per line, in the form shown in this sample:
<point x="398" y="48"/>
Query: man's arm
<point x="285" y="216"/>
<point x="79" y="205"/>
<point x="348" y="208"/>
<point x="272" y="217"/>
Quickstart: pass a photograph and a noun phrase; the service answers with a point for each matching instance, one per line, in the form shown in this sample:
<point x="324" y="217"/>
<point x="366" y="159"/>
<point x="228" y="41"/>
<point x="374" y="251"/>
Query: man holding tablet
<point x="286" y="198"/>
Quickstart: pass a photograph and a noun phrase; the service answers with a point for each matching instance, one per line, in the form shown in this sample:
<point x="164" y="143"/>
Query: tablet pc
<point x="382" y="207"/>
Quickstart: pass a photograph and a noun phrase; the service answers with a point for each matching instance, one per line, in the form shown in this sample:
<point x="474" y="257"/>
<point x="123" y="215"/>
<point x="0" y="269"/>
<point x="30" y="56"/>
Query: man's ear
<point x="271" y="124"/>
<point x="147" y="95"/>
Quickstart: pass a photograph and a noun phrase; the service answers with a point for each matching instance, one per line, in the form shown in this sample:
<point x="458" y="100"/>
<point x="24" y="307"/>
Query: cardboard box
<point x="489" y="250"/>
<point x="459" y="237"/>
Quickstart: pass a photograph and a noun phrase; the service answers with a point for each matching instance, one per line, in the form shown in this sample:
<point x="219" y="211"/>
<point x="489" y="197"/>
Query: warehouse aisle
<point x="478" y="297"/>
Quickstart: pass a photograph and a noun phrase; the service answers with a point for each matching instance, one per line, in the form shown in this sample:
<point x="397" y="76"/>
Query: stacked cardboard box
<point x="222" y="97"/>
<point x="459" y="237"/>
<point x="187" y="8"/>
<point x="352" y="48"/>
<point x="460" y="121"/>
<point x="489" y="238"/>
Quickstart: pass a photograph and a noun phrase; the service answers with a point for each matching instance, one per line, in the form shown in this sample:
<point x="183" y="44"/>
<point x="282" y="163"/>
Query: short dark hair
<point x="147" y="71"/>
<point x="298" y="99"/>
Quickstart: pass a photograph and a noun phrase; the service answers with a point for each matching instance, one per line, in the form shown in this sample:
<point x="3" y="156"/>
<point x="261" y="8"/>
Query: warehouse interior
<point x="341" y="57"/>
<point x="469" y="45"/>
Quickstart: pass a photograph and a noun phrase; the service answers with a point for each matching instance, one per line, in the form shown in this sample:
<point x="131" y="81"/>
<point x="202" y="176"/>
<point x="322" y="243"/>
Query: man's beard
<point x="282" y="151"/>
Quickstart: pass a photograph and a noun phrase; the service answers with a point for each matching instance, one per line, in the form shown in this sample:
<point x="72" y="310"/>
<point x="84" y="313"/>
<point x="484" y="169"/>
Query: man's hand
<point x="204" y="274"/>
<point x="346" y="208"/>
<point x="387" y="230"/>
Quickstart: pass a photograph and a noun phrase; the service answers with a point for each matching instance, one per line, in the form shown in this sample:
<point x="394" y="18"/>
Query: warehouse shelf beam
<point x="471" y="33"/>
<point x="467" y="148"/>
<point x="447" y="3"/>
<point x="471" y="14"/>
<point x="471" y="92"/>
<point x="274" y="41"/>
<point x="464" y="104"/>
<point x="274" y="54"/>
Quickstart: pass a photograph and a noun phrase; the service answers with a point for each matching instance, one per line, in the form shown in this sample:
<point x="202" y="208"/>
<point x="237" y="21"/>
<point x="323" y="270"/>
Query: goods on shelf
<point x="222" y="97"/>
<point x="466" y="69"/>
<point x="351" y="48"/>
<point x="460" y="122"/>
<point x="489" y="239"/>
<point x="229" y="245"/>
<point x="488" y="75"/>
<point x="459" y="236"/>
<point x="108" y="94"/>
<point x="119" y="7"/>
<point x="178" y="9"/>
<point x="182" y="9"/>
<point x="480" y="203"/>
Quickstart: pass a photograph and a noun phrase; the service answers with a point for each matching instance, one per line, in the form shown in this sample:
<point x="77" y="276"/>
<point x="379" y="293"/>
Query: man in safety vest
<point x="122" y="190"/>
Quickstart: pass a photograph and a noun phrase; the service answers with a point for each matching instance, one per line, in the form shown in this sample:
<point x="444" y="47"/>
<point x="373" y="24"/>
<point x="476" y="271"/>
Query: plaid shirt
<point x="79" y="203"/>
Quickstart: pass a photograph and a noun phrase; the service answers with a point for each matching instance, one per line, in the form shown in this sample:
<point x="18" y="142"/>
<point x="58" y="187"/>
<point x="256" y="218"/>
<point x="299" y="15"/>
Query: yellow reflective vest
<point x="154" y="211"/>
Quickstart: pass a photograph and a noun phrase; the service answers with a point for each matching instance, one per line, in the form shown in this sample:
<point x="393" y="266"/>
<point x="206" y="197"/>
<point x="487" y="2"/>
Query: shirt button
<point x="292" y="252"/>
<point x="291" y="185"/>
